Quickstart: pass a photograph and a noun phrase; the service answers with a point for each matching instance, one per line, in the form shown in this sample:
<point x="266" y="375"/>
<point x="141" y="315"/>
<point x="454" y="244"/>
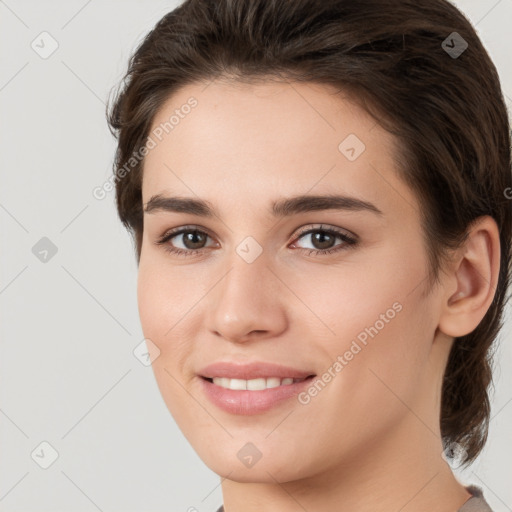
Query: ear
<point x="470" y="284"/>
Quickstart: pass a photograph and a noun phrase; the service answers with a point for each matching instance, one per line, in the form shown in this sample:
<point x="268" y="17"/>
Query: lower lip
<point x="245" y="402"/>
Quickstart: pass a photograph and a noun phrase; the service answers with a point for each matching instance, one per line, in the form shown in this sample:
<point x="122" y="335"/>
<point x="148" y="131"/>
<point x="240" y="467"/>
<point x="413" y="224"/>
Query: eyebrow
<point x="281" y="208"/>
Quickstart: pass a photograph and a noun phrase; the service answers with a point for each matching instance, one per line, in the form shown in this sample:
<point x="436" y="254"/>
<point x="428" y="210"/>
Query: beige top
<point x="476" y="503"/>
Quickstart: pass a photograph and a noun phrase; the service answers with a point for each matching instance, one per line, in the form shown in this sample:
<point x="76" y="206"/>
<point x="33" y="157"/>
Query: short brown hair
<point x="446" y="110"/>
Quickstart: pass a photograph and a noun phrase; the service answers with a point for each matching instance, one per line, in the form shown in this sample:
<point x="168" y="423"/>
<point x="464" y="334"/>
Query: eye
<point x="193" y="240"/>
<point x="322" y="239"/>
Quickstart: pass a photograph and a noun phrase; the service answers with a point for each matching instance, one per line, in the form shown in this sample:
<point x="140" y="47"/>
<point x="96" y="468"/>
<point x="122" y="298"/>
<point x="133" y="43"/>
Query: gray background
<point x="69" y="325"/>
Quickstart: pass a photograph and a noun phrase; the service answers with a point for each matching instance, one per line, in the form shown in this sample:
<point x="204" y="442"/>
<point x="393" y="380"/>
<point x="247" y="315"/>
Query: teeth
<point x="253" y="384"/>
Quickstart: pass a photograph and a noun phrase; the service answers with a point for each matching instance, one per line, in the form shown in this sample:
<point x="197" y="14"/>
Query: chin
<point x="232" y="460"/>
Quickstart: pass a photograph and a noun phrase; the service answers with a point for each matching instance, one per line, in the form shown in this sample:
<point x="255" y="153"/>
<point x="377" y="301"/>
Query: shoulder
<point x="476" y="503"/>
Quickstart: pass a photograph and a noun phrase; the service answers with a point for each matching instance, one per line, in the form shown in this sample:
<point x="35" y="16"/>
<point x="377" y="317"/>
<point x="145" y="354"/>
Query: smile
<point x="253" y="384"/>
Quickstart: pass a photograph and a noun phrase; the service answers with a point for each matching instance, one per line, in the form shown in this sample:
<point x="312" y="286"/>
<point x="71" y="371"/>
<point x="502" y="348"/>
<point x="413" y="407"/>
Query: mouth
<point x="257" y="384"/>
<point x="246" y="388"/>
<point x="247" y="397"/>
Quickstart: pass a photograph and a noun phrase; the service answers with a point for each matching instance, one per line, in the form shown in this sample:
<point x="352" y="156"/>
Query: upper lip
<point x="254" y="370"/>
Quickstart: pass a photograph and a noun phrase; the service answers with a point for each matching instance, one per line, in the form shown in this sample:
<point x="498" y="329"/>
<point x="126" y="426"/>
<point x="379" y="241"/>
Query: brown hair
<point x="396" y="58"/>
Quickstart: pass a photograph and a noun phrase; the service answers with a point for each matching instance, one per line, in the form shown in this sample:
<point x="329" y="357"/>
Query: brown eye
<point x="323" y="240"/>
<point x="193" y="239"/>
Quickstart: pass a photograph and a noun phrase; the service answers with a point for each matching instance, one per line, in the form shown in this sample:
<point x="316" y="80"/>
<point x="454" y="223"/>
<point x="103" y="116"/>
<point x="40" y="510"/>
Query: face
<point x="333" y="290"/>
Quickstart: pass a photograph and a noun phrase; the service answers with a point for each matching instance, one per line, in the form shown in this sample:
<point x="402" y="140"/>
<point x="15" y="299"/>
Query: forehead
<point x="262" y="138"/>
<point x="271" y="113"/>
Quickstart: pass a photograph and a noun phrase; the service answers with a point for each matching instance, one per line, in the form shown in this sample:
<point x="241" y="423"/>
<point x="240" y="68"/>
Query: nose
<point x="247" y="303"/>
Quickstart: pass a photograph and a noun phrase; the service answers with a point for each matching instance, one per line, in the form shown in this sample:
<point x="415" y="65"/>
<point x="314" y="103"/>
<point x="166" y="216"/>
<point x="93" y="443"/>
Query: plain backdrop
<point x="69" y="320"/>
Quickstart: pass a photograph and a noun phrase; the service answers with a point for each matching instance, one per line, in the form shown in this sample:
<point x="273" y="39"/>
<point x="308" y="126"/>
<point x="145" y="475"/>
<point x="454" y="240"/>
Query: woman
<point x="318" y="196"/>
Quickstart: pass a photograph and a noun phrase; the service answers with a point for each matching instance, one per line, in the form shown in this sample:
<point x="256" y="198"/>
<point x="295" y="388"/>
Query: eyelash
<point x="348" y="240"/>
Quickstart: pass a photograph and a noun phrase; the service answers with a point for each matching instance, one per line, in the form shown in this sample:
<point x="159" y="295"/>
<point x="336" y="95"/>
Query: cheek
<point x="165" y="297"/>
<point x="364" y="384"/>
<point x="163" y="303"/>
<point x="383" y="333"/>
<point x="151" y="303"/>
<point x="169" y="300"/>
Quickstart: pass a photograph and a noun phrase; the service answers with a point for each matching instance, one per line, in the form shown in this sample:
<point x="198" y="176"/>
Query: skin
<point x="370" y="440"/>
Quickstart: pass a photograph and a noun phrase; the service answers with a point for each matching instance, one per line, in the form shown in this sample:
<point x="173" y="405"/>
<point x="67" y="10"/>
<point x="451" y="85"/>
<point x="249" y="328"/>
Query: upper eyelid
<point x="323" y="227"/>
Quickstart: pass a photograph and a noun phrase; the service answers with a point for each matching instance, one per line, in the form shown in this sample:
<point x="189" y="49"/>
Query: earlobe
<point x="475" y="274"/>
